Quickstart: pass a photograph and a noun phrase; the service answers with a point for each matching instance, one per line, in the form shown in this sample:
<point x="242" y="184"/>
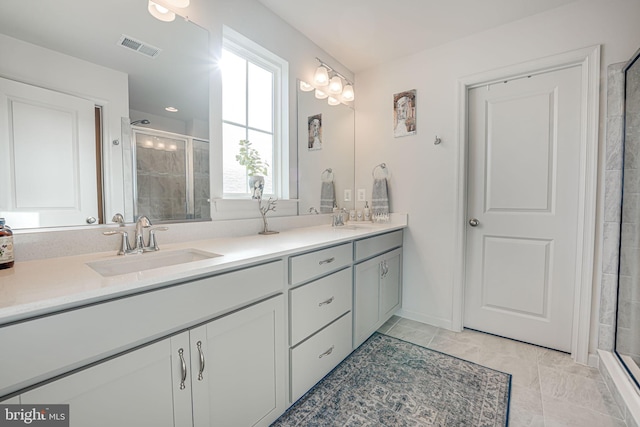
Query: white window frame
<point x="253" y="52"/>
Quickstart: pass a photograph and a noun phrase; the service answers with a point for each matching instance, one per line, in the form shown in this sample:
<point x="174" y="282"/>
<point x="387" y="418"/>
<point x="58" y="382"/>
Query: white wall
<point x="423" y="175"/>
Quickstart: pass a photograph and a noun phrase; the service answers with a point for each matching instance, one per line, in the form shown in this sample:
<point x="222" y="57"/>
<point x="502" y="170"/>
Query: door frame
<point x="588" y="59"/>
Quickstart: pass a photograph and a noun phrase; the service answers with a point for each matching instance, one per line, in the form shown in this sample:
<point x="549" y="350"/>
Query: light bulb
<point x="305" y="87"/>
<point x="333" y="101"/>
<point x="335" y="85"/>
<point x="348" y="94"/>
<point x="321" y="94"/>
<point x="321" y="77"/>
<point x="160" y="12"/>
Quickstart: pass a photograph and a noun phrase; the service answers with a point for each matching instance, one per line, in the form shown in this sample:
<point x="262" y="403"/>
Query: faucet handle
<point x="125" y="247"/>
<point x="153" y="243"/>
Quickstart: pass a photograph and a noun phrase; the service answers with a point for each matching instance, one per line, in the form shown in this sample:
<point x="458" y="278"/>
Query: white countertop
<point x="44" y="286"/>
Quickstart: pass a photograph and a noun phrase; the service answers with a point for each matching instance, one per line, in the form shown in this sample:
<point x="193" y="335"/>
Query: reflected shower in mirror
<point x="325" y="154"/>
<point x="627" y="343"/>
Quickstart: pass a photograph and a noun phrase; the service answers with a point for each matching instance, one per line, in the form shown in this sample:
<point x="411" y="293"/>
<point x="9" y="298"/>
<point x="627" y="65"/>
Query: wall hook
<point x="437" y="141"/>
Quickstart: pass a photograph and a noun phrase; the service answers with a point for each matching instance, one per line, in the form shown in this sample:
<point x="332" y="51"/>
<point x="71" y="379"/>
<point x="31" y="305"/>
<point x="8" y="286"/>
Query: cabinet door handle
<point x="384" y="269"/>
<point x="201" y="353"/>
<point x="326" y="353"/>
<point x="327" y="261"/>
<point x="329" y="301"/>
<point x="183" y="366"/>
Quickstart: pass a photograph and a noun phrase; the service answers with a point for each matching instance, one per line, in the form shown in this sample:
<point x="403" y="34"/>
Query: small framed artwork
<point x="404" y="113"/>
<point x="315" y="132"/>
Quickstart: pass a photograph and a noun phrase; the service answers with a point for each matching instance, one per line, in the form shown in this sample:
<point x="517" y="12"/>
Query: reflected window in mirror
<point x="253" y="109"/>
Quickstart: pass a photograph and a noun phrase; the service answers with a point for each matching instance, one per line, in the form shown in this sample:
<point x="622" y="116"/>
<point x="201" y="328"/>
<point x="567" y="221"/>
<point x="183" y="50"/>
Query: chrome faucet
<point x="142" y="223"/>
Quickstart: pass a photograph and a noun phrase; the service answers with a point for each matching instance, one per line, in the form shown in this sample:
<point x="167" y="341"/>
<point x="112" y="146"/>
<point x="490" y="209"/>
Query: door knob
<point x="91" y="220"/>
<point x="474" y="222"/>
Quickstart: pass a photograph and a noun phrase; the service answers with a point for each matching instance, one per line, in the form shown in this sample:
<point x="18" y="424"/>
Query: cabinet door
<point x="390" y="284"/>
<point x="366" y="300"/>
<point x="243" y="376"/>
<point x="140" y="388"/>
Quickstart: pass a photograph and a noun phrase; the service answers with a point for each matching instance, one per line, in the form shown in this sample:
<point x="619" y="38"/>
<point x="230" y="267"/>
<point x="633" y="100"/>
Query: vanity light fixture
<point x="320" y="94"/>
<point x="305" y="87"/>
<point x="160" y="12"/>
<point x="347" y="93"/>
<point x="339" y="86"/>
<point x="321" y="77"/>
<point x="335" y="85"/>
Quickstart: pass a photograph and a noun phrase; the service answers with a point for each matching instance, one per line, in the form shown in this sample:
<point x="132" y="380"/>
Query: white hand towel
<point x="327" y="197"/>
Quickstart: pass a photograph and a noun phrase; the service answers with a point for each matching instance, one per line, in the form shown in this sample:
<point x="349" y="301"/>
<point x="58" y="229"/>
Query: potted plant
<point x="256" y="168"/>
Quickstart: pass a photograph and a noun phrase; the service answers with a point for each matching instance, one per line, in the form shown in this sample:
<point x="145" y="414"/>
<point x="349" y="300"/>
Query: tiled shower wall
<point x="628" y="338"/>
<point x="612" y="208"/>
<point x="611" y="237"/>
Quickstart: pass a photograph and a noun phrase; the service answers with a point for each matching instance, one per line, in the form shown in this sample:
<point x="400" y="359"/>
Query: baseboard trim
<point x="429" y="320"/>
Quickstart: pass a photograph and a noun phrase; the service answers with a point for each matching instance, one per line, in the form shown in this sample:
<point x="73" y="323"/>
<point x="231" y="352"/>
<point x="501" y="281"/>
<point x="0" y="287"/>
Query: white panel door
<point x="522" y="205"/>
<point x="47" y="157"/>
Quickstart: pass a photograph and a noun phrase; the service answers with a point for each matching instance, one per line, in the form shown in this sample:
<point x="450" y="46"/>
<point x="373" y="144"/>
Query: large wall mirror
<point x="627" y="344"/>
<point x="85" y="85"/>
<point x="82" y="52"/>
<point x="325" y="154"/>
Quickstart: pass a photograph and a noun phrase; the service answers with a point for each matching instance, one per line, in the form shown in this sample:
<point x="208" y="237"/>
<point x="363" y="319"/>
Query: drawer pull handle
<point x="183" y="367"/>
<point x="201" y="353"/>
<point x="327" y="261"/>
<point x="326" y="353"/>
<point x="329" y="301"/>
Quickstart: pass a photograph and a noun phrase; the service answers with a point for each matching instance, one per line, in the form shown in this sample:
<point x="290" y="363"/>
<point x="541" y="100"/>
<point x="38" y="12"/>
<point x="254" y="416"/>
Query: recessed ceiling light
<point x="171" y="109"/>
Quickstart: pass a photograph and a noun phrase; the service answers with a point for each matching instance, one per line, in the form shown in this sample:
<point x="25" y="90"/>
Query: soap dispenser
<point x="366" y="211"/>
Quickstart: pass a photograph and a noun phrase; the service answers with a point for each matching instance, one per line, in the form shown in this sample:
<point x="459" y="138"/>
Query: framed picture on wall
<point x="404" y="113"/>
<point x="315" y="132"/>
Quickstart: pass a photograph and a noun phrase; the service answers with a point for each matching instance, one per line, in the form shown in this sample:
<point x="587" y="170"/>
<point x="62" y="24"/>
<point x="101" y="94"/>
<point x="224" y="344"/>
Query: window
<point x="253" y="109"/>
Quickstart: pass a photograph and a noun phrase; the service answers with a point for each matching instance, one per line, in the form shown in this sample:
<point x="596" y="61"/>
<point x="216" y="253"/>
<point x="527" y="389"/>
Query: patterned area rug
<point x="389" y="382"/>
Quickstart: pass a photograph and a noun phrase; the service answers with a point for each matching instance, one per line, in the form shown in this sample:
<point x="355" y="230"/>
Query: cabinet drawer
<point x="367" y="248"/>
<point x="55" y="344"/>
<point x="316" y="357"/>
<point x="318" y="303"/>
<point x="314" y="264"/>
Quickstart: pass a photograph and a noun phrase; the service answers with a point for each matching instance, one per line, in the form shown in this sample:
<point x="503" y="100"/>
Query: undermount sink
<point x="357" y="226"/>
<point x="148" y="261"/>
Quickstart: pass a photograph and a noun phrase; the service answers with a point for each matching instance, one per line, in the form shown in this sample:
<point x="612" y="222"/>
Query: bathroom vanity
<point x="233" y="339"/>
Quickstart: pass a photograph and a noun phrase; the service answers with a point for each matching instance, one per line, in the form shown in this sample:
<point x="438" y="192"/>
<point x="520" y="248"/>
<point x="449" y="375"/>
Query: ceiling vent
<point x="141" y="47"/>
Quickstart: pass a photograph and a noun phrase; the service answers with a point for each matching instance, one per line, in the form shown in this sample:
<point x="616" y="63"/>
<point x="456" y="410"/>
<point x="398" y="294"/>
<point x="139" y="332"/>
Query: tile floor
<point x="547" y="388"/>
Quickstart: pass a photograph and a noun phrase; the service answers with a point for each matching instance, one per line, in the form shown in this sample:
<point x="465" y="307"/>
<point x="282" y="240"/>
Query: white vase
<point x="256" y="185"/>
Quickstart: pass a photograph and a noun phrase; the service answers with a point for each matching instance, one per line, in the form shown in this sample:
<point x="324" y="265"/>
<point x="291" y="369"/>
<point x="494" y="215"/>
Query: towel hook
<point x="383" y="167"/>
<point x="328" y="173"/>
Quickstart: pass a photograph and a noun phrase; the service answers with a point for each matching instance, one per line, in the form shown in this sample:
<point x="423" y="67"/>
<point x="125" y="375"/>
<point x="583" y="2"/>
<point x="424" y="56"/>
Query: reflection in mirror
<point x="627" y="344"/>
<point x="86" y="70"/>
<point x="325" y="154"/>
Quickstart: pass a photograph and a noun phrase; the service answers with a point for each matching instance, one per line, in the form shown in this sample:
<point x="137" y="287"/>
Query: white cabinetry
<point x="227" y="372"/>
<point x="136" y="389"/>
<point x="320" y="324"/>
<point x="238" y="367"/>
<point x="377" y="283"/>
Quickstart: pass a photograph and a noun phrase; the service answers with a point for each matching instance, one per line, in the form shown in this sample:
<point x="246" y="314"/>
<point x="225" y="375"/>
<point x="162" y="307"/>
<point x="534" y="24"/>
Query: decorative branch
<point x="264" y="209"/>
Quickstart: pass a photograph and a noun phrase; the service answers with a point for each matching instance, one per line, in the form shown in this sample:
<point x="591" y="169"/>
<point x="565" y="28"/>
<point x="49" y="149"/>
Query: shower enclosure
<point x="171" y="176"/>
<point x="627" y="338"/>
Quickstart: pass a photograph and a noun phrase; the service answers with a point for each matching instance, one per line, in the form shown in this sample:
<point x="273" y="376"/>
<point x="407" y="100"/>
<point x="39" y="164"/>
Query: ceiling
<point x="363" y="33"/>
